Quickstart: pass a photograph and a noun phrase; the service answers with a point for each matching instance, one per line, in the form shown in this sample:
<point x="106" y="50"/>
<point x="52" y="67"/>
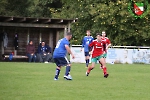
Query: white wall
<point x="117" y="55"/>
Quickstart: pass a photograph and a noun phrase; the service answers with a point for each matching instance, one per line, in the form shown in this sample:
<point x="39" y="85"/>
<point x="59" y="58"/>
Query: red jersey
<point x="98" y="48"/>
<point x="106" y="39"/>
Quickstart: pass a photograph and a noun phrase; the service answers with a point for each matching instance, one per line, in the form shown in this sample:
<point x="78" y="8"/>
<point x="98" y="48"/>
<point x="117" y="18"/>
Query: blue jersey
<point x="86" y="41"/>
<point x="60" y="50"/>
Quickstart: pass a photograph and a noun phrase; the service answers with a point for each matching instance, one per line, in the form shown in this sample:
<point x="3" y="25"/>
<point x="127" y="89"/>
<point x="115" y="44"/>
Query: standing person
<point x="5" y="39"/>
<point x="108" y="44"/>
<point x="30" y="50"/>
<point x="44" y="52"/>
<point x="85" y="44"/>
<point x="59" y="56"/>
<point x="16" y="41"/>
<point x="98" y="54"/>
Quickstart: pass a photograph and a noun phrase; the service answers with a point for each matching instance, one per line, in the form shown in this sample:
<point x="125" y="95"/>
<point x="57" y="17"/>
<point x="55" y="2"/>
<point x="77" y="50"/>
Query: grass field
<point x="34" y="81"/>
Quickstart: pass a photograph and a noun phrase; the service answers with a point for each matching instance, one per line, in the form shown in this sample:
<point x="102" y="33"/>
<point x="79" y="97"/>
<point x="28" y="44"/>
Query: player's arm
<point x="92" y="38"/>
<point x="104" y="47"/>
<point x="69" y="51"/>
<point x="91" y="46"/>
<point x="109" y="44"/>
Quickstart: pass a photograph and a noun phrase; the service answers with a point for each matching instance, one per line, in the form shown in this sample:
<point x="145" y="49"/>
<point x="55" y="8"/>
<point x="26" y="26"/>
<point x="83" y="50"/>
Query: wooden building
<point x="27" y="28"/>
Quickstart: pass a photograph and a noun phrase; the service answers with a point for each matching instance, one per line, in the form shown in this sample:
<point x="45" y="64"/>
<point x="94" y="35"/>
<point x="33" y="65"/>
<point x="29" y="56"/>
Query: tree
<point x="16" y="7"/>
<point x="113" y="16"/>
<point x="2" y="5"/>
<point x="40" y="8"/>
<point x="109" y="15"/>
<point x="26" y="8"/>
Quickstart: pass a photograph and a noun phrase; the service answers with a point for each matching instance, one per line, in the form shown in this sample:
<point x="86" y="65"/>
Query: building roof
<point x="34" y="22"/>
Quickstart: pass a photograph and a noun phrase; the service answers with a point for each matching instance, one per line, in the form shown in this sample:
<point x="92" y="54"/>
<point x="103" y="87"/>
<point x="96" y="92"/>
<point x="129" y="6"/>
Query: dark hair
<point x="68" y="33"/>
<point x="30" y="41"/>
<point x="98" y="34"/>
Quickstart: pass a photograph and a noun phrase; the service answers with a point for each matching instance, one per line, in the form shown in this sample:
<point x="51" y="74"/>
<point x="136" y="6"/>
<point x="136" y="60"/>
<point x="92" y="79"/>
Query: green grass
<point x="34" y="81"/>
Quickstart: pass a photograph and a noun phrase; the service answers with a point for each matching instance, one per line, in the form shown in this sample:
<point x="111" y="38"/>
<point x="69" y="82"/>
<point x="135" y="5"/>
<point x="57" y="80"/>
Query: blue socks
<point x="87" y="62"/>
<point x="67" y="70"/>
<point x="57" y="73"/>
<point x="66" y="73"/>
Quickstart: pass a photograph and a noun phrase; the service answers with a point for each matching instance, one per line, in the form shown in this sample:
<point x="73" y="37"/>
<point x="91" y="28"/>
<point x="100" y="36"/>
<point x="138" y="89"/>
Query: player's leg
<point x="62" y="62"/>
<point x="102" y="60"/>
<point x="67" y="75"/>
<point x="68" y="66"/>
<point x="104" y="55"/>
<point x="101" y="67"/>
<point x="87" y="57"/>
<point x="57" y="72"/>
<point x="58" y="68"/>
<point x="94" y="60"/>
<point x="68" y="69"/>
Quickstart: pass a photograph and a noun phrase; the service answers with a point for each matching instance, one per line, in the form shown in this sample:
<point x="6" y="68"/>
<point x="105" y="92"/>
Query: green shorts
<point x="97" y="58"/>
<point x="105" y="55"/>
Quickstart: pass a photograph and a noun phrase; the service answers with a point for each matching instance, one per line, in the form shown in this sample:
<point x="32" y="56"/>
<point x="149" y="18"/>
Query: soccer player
<point x="108" y="44"/>
<point x="85" y="44"/>
<point x="60" y="58"/>
<point x="98" y="54"/>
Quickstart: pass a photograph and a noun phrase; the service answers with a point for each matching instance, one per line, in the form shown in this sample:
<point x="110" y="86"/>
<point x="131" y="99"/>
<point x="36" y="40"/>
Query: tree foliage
<point x="113" y="16"/>
<point x="26" y="8"/>
<point x="14" y="8"/>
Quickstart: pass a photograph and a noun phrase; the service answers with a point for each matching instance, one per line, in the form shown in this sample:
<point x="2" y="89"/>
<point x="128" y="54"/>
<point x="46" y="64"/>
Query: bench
<point x="17" y="57"/>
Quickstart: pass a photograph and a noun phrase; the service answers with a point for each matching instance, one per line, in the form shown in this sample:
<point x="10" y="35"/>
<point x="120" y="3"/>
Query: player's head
<point x="68" y="35"/>
<point x="43" y="43"/>
<point x="88" y="33"/>
<point x="103" y="33"/>
<point x="98" y="36"/>
<point x="30" y="42"/>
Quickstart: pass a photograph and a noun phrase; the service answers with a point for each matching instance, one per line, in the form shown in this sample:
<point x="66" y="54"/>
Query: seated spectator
<point x="30" y="50"/>
<point x="44" y="52"/>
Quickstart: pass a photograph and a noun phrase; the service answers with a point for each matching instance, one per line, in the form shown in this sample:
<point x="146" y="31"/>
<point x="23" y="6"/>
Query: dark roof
<point x="30" y="21"/>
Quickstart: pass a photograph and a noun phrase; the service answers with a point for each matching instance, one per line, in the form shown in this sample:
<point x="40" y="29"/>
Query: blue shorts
<point x="63" y="61"/>
<point x="86" y="54"/>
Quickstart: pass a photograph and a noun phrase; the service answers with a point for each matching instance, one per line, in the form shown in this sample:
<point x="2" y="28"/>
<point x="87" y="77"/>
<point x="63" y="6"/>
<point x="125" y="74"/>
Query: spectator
<point x="44" y="52"/>
<point x="30" y="50"/>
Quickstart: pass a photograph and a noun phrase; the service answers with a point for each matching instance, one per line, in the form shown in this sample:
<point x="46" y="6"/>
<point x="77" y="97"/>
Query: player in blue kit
<point x="60" y="58"/>
<point x="85" y="44"/>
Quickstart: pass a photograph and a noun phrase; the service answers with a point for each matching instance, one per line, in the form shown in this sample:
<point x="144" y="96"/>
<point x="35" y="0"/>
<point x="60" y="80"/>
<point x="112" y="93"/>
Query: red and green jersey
<point x="98" y="48"/>
<point x="106" y="40"/>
